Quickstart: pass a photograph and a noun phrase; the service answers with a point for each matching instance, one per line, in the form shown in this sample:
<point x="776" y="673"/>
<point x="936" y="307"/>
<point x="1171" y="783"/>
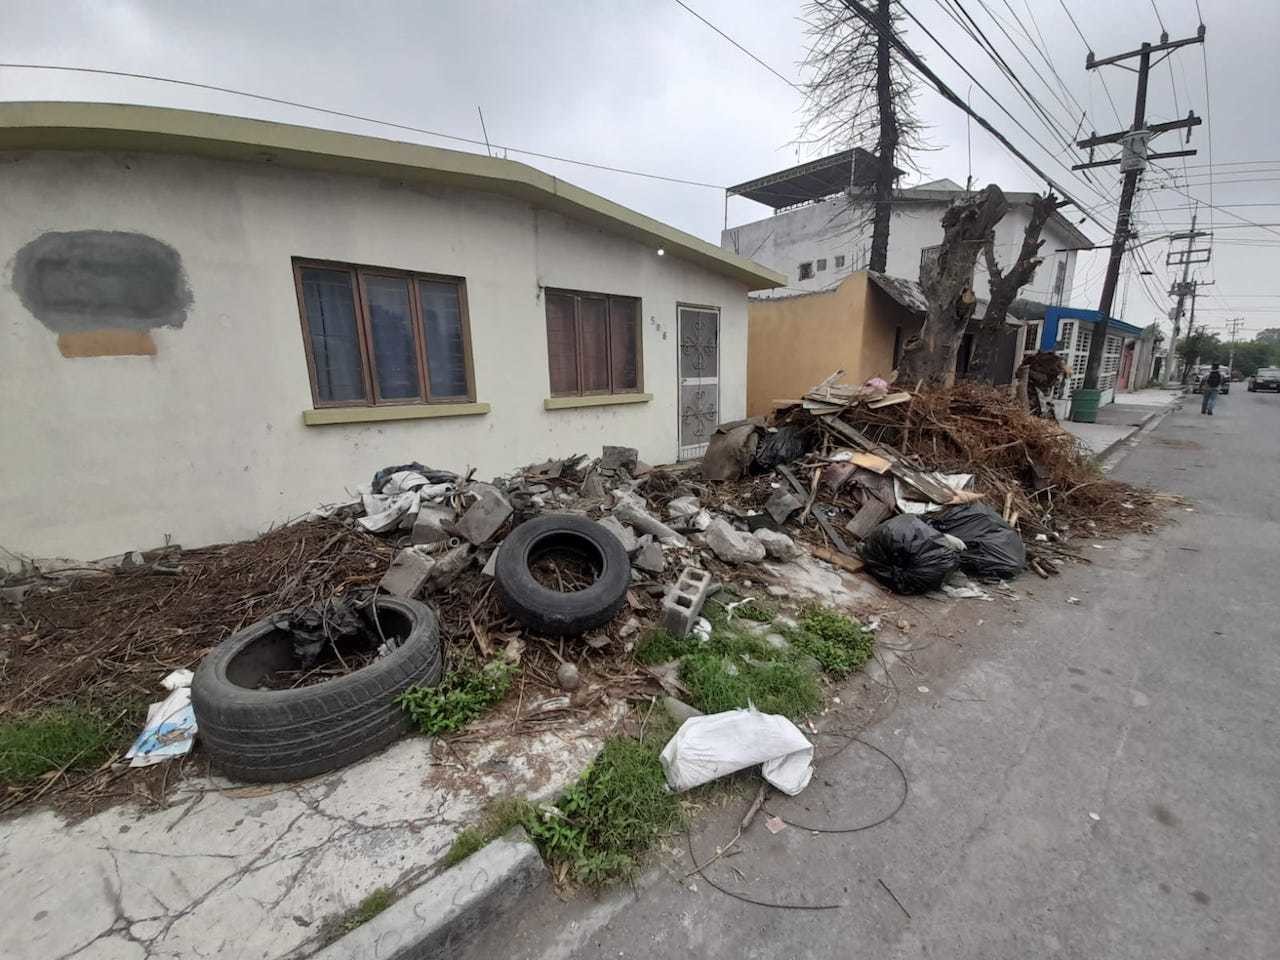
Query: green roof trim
<point x="54" y="125"/>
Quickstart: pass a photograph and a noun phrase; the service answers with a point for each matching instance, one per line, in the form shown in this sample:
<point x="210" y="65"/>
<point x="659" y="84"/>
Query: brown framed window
<point x="593" y="343"/>
<point x="375" y="336"/>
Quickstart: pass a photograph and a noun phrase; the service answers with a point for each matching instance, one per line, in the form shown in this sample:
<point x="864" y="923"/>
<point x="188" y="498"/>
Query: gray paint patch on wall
<point x="101" y="279"/>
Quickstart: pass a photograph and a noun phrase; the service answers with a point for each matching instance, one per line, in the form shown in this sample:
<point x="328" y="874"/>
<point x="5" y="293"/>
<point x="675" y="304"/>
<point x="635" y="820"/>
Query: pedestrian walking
<point x="1209" y="390"/>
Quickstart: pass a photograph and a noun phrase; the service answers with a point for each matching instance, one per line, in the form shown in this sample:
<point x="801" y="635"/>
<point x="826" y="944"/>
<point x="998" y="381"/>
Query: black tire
<point x="550" y="611"/>
<point x="278" y="735"/>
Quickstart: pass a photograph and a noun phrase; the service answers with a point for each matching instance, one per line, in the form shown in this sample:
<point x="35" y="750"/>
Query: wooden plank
<point x="852" y="564"/>
<point x="889" y="400"/>
<point x="872" y="513"/>
<point x="819" y="513"/>
<point x="937" y="492"/>
<point x="871" y="461"/>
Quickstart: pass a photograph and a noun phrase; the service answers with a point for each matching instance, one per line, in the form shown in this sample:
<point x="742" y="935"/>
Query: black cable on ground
<point x="866" y="826"/>
<point x="701" y="868"/>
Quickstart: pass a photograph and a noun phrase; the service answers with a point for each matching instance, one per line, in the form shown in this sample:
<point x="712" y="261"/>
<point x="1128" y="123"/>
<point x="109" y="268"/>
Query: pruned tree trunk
<point x="1005" y="286"/>
<point x="886" y="145"/>
<point x="948" y="287"/>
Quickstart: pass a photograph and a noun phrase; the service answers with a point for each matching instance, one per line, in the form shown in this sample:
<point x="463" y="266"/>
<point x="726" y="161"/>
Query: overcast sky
<point x="643" y="84"/>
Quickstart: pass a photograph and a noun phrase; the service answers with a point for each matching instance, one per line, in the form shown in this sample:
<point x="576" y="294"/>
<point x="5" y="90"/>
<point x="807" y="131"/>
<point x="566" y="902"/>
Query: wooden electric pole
<point x="1182" y="289"/>
<point x="1132" y="161"/>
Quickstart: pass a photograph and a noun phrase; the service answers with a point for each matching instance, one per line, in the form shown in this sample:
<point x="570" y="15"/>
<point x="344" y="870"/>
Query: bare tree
<point x="860" y="93"/>
<point x="930" y="356"/>
<point x="1006" y="285"/>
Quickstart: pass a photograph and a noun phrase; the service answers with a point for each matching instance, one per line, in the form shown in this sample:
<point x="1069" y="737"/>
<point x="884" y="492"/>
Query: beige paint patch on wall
<point x="107" y="343"/>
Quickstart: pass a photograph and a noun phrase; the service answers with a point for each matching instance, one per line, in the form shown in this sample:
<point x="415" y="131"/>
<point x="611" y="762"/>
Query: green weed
<point x="364" y="911"/>
<point x="39" y="742"/>
<point x="599" y="828"/>
<point x="660" y="645"/>
<point x="498" y="818"/>
<point x="781" y="685"/>
<point x="459" y="698"/>
<point x="840" y="644"/>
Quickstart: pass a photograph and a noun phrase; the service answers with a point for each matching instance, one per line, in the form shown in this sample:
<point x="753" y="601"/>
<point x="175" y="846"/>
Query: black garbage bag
<point x="907" y="555"/>
<point x="784" y="445"/>
<point x="992" y="547"/>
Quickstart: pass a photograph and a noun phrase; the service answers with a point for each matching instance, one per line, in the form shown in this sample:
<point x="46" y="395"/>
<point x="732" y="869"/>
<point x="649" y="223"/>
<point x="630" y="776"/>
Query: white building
<point x="212" y="324"/>
<point x="817" y="237"/>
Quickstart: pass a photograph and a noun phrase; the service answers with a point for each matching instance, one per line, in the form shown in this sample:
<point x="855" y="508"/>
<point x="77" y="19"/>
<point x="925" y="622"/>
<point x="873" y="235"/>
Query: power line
<point x="1089" y="48"/>
<point x="911" y="57"/>
<point x="695" y="13"/>
<point x="98" y="71"/>
<point x="1159" y="19"/>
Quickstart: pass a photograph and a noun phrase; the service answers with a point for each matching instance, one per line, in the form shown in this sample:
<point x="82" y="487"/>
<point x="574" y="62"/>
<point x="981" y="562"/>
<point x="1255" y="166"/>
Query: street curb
<point x="1106" y="453"/>
<point x="434" y="920"/>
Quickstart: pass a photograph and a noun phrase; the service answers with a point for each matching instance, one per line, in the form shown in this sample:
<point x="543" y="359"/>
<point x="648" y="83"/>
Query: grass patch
<point x="498" y="818"/>
<point x="840" y="644"/>
<point x="720" y="683"/>
<point x="364" y="911"/>
<point x="660" y="645"/>
<point x="599" y="828"/>
<point x="737" y="666"/>
<point x="40" y="742"/>
<point x="459" y="698"/>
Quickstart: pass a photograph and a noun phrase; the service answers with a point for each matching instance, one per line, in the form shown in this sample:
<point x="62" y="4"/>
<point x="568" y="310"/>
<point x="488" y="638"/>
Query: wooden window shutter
<point x="624" y="343"/>
<point x="593" y="343"/>
<point x="562" y="344"/>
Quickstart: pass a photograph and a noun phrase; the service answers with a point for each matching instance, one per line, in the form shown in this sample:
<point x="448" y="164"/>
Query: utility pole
<point x="1183" y="288"/>
<point x="1191" y="332"/>
<point x="1235" y="325"/>
<point x="1133" y="161"/>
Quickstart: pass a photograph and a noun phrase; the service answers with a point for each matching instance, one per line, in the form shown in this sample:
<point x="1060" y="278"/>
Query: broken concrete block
<point x="613" y="459"/>
<point x="483" y="518"/>
<point x="777" y="545"/>
<point x="593" y="487"/>
<point x="782" y="505"/>
<point x="679" y="710"/>
<point x="632" y="510"/>
<point x="626" y="536"/>
<point x="779" y="592"/>
<point x="777" y="641"/>
<point x="649" y="558"/>
<point x="630" y="628"/>
<point x="449" y="564"/>
<point x="429" y="527"/>
<point x="408" y="574"/>
<point x="733" y="546"/>
<point x="684" y="600"/>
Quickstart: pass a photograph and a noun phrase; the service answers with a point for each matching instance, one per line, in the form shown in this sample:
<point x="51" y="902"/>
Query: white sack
<point x="705" y="748"/>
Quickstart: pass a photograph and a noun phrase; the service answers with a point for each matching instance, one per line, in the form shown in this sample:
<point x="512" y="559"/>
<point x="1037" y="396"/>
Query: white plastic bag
<point x="705" y="748"/>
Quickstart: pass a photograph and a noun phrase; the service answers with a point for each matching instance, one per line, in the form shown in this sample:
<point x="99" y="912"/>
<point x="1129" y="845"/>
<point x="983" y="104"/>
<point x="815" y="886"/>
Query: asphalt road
<point x="1092" y="779"/>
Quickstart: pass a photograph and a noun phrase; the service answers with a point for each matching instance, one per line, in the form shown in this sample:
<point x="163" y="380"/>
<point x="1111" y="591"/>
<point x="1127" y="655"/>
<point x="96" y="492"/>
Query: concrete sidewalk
<point x="1119" y="421"/>
<point x="235" y="871"/>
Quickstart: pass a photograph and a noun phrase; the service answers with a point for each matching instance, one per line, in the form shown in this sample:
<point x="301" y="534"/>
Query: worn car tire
<point x="551" y="611"/>
<point x="278" y="735"/>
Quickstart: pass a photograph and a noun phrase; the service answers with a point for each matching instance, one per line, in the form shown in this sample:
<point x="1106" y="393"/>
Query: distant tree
<point x="861" y="93"/>
<point x="1254" y="354"/>
<point x="1200" y="346"/>
<point x="1269" y="335"/>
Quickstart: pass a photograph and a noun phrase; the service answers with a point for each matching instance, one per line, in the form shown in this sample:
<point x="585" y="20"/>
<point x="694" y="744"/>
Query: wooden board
<point x="872" y="513"/>
<point x="889" y="400"/>
<point x="871" y="461"/>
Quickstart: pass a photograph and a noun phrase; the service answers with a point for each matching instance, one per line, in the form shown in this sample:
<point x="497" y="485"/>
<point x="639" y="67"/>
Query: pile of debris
<point x="843" y="460"/>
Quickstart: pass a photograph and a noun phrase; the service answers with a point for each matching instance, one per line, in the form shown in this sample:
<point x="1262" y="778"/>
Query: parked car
<point x="1202" y="371"/>
<point x="1267" y="378"/>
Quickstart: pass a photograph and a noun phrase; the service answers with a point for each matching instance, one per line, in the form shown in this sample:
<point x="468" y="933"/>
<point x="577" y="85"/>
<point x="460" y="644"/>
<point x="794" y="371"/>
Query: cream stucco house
<point x="210" y="324"/>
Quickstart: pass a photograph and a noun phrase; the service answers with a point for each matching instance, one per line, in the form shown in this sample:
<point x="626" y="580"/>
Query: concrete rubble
<point x="733" y="546"/>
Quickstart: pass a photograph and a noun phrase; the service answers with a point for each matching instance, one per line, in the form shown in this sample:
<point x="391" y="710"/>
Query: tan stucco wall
<point x="796" y="342"/>
<point x="203" y="440"/>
